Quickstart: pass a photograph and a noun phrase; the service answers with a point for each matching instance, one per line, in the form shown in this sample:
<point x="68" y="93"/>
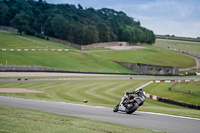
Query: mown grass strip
<point x="98" y="93"/>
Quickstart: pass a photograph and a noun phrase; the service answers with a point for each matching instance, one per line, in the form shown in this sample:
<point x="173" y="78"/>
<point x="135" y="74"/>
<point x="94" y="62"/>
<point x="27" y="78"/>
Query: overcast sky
<point x="173" y="17"/>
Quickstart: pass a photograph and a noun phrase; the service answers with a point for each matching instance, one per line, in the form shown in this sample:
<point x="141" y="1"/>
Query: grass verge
<point x="23" y="120"/>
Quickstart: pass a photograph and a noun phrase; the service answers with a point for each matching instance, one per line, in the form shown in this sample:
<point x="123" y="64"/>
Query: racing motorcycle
<point x="130" y="103"/>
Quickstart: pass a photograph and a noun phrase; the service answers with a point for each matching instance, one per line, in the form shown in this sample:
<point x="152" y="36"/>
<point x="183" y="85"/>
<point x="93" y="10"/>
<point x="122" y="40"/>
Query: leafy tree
<point x="75" y="24"/>
<point x="3" y="13"/>
<point x="59" y="25"/>
<point x="80" y="7"/>
<point x="91" y="35"/>
<point x="20" y="22"/>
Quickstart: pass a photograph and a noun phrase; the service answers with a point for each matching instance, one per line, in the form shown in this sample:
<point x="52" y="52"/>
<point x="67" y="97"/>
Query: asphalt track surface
<point x="53" y="77"/>
<point x="153" y="121"/>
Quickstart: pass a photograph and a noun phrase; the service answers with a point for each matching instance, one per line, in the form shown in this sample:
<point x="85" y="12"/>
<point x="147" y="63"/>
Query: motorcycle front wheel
<point x="133" y="109"/>
<point x="115" y="109"/>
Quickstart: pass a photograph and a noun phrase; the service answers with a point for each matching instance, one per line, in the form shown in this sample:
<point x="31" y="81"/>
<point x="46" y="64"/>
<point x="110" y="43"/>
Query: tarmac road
<point x="153" y="121"/>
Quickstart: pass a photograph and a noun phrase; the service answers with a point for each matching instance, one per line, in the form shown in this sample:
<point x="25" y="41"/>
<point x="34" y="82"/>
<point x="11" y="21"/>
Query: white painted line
<point x="3" y="49"/>
<point x="25" y="49"/>
<point x="183" y="117"/>
<point x="19" y="50"/>
<point x="11" y="49"/>
<point x="66" y="50"/>
<point x="169" y="115"/>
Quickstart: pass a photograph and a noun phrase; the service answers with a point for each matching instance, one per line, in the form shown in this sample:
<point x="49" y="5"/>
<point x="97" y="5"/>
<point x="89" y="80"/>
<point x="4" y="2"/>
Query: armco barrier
<point x="178" y="103"/>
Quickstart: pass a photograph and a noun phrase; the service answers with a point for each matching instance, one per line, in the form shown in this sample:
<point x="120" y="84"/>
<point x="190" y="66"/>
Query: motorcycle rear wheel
<point x="115" y="109"/>
<point x="133" y="109"/>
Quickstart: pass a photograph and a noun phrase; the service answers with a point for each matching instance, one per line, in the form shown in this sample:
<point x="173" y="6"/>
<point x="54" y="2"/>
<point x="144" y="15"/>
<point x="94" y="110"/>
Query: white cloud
<point x="187" y="10"/>
<point x="176" y="28"/>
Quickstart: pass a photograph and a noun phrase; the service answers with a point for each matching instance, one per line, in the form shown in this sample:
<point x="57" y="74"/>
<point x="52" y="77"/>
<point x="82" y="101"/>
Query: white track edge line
<point x="184" y="117"/>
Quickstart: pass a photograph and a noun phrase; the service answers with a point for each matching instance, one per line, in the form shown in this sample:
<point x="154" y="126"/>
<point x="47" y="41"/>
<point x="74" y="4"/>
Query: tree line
<point x="71" y="23"/>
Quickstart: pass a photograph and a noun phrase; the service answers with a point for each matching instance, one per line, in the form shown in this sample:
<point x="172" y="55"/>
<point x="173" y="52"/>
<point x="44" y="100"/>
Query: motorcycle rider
<point x="140" y="96"/>
<point x="130" y="103"/>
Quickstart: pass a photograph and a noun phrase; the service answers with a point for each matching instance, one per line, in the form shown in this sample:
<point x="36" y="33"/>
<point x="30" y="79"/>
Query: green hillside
<point x="71" y="60"/>
<point x="10" y="40"/>
<point x="75" y="60"/>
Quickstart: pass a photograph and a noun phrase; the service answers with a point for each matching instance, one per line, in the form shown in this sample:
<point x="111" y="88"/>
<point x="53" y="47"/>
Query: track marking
<point x="169" y="115"/>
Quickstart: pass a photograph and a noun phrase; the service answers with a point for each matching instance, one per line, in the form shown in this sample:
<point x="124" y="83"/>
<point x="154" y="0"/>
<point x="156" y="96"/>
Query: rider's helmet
<point x="142" y="91"/>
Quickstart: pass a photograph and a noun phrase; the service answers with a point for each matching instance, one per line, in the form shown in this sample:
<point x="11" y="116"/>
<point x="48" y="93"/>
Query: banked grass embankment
<point x="184" y="46"/>
<point x="151" y="55"/>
